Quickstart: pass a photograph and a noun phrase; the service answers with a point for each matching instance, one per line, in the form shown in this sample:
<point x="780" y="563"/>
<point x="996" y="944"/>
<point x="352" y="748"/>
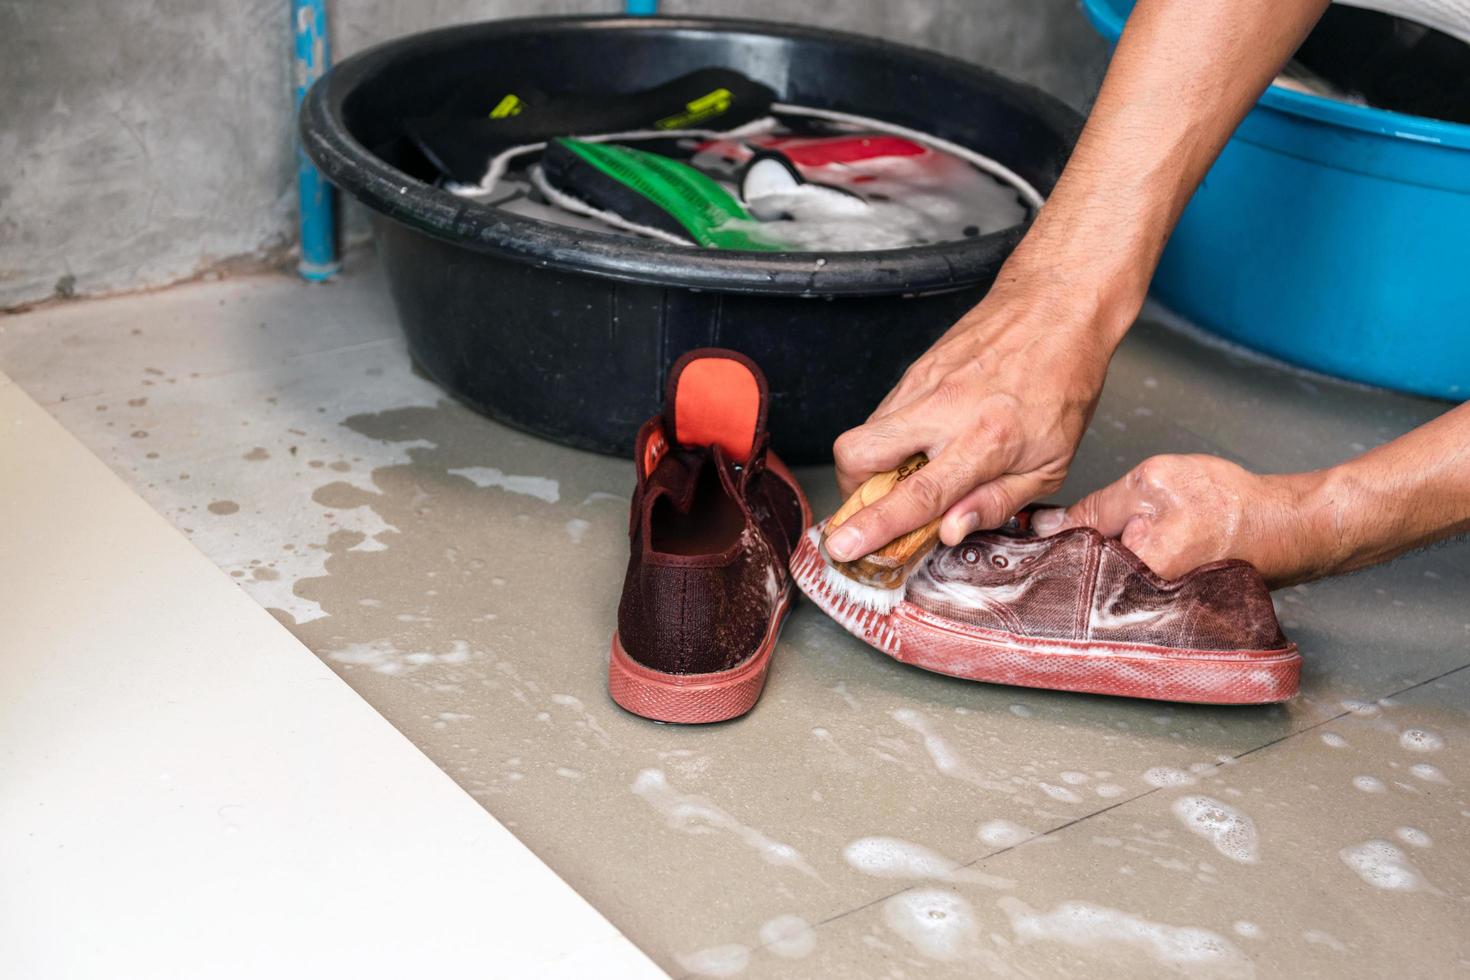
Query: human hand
<point x="998" y="405"/>
<point x="1179" y="512"/>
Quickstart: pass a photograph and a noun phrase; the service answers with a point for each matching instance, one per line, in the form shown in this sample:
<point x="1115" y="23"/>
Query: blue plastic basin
<point x="1330" y="235"/>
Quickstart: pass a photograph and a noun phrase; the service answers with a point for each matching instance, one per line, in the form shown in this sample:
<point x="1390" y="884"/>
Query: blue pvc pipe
<point x="641" y="8"/>
<point x="318" y="232"/>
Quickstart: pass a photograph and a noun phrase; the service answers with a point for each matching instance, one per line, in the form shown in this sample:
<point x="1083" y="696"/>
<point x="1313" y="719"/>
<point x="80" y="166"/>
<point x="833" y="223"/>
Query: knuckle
<point x="855" y="448"/>
<point x="925" y="491"/>
<point x="1156" y="472"/>
<point x="846" y="448"/>
<point x="948" y="393"/>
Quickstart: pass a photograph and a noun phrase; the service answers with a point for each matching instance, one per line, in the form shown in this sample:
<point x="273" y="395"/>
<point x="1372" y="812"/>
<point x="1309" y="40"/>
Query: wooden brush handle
<point x="891" y="561"/>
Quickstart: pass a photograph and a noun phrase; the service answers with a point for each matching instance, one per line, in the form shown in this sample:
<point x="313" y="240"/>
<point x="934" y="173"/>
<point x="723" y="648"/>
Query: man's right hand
<point x="998" y="404"/>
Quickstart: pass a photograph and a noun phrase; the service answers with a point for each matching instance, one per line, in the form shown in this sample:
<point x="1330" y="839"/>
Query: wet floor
<point x="867" y="819"/>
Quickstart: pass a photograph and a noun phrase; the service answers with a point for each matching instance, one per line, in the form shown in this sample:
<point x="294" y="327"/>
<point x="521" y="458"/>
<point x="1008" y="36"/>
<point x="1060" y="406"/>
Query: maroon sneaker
<point x="1076" y="612"/>
<point x="715" y="518"/>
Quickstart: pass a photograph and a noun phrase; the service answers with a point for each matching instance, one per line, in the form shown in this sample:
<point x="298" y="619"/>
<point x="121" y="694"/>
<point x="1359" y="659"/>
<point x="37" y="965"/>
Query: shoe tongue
<point x="717" y="398"/>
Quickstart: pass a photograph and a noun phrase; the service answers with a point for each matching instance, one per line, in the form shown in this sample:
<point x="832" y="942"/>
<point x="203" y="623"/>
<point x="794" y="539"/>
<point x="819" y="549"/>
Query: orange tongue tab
<point x="717" y="402"/>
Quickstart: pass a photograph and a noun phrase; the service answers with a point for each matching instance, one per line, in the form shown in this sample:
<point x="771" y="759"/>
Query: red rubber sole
<point x="694" y="699"/>
<point x="913" y="636"/>
<point x="699" y="699"/>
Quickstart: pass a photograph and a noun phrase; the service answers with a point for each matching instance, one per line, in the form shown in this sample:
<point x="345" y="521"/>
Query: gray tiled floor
<point x="284" y="430"/>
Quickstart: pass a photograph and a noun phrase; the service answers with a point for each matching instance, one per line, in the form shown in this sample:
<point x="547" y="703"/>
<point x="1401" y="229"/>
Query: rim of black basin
<point x="474" y="225"/>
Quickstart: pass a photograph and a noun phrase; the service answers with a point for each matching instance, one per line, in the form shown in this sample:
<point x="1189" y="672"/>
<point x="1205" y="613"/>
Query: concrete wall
<point x="145" y="141"/>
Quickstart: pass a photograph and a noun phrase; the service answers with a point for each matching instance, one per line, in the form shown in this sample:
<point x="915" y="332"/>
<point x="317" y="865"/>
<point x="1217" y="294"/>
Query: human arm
<point x="1000" y="401"/>
<point x="1178" y="512"/>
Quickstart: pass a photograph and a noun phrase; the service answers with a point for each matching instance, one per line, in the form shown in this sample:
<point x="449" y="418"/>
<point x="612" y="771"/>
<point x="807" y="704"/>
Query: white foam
<point x="1414" y="837"/>
<point x="1247" y="929"/>
<point x="1021" y="711"/>
<point x="1232" y="832"/>
<point x="944" y="757"/>
<point x="540" y="487"/>
<point x="1428" y="773"/>
<point x="1164" y="776"/>
<point x="890" y="857"/>
<point x="1383" y="865"/>
<point x="1334" y="740"/>
<point x="1369" y="784"/>
<point x="1003" y="833"/>
<point x="1420" y="740"/>
<point x="383" y="657"/>
<point x="1059" y="793"/>
<point x="1074" y="778"/>
<point x="1108" y="791"/>
<point x="788" y="936"/>
<point x="717" y="961"/>
<point x="939" y="924"/>
<point x="1363" y="709"/>
<point x="576" y="529"/>
<point x="697" y="815"/>
<point x="1086" y="924"/>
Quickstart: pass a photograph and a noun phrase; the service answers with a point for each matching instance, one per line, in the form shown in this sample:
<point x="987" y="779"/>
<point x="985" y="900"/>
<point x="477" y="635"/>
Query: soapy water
<point x="1420" y="740"/>
<point x="698" y="815"/>
<point x="1369" y="784"/>
<point x="952" y="195"/>
<point x="1084" y="924"/>
<point x="1232" y="832"/>
<point x="946" y="760"/>
<point x="1428" y="773"/>
<point x="1383" y="865"/>
<point x="1162" y="776"/>
<point x="1413" y="836"/>
<point x="717" y="961"/>
<point x="788" y="936"/>
<point x="889" y="857"/>
<point x="939" y="924"/>
<point x="1003" y="833"/>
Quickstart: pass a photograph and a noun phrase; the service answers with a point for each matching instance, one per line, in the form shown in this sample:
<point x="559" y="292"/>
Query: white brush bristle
<point x="881" y="601"/>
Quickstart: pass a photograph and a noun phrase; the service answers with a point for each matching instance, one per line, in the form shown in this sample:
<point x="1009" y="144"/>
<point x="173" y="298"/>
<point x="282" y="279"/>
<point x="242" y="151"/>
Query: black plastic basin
<point x="568" y="334"/>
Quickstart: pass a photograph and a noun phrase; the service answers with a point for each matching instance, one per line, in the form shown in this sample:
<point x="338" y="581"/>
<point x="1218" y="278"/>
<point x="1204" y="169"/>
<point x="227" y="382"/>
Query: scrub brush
<point x="876" y="583"/>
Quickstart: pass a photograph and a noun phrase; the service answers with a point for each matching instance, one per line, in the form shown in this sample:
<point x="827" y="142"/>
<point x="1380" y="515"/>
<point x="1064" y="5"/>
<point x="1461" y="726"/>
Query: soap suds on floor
<point x="939" y="924"/>
<point x="890" y="857"/>
<point x="383" y="657"/>
<point x="697" y="815"/>
<point x="1413" y="837"/>
<point x="1084" y="924"/>
<point x="1420" y="740"/>
<point x="1232" y="832"/>
<point x="1428" y="773"/>
<point x="1384" y="866"/>
<point x="1003" y="833"/>
<point x="1162" y="776"/>
<point x="716" y="961"/>
<point x="944" y="757"/>
<point x="788" y="936"/>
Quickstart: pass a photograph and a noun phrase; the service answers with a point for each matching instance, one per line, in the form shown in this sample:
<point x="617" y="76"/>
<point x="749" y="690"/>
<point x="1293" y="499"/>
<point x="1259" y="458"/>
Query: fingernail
<point x="1045" y="522"/>
<point x="844" y="543"/>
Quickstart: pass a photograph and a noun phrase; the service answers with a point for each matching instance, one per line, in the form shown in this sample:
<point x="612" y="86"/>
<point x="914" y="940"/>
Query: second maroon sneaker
<point x="715" y="518"/>
<point x="1076" y="612"/>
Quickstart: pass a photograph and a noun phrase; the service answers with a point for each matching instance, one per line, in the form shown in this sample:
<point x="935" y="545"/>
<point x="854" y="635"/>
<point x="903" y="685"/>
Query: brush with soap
<point x="854" y="592"/>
